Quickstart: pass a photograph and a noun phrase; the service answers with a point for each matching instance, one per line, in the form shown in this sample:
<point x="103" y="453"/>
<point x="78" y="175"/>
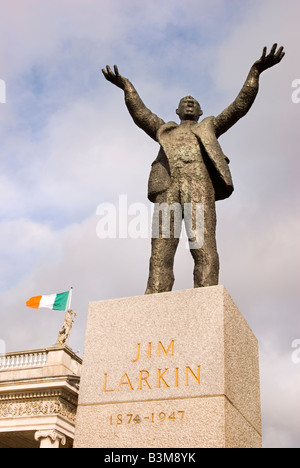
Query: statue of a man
<point x="190" y="170"/>
<point x="64" y="332"/>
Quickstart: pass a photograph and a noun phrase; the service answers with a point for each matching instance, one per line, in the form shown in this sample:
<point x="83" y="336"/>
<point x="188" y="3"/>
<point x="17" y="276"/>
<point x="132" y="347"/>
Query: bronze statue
<point x="190" y="170"/>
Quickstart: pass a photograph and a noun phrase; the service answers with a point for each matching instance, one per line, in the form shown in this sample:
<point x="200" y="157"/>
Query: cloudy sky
<point x="68" y="145"/>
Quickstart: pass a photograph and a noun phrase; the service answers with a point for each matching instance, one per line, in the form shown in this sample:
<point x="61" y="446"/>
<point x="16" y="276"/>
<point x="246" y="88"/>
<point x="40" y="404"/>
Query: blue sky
<point x="68" y="144"/>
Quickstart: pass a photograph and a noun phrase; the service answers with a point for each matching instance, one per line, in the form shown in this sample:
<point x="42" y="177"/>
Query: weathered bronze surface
<point x="190" y="172"/>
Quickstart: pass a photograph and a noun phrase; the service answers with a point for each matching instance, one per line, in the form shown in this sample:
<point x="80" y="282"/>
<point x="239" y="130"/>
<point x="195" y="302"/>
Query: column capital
<point x="50" y="438"/>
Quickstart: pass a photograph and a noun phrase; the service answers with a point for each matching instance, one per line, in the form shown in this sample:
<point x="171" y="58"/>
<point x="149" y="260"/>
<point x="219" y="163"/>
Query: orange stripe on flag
<point x="34" y="302"/>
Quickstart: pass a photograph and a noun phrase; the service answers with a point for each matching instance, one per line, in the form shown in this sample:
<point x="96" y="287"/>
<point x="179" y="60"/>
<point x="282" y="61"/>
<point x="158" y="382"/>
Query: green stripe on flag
<point x="61" y="300"/>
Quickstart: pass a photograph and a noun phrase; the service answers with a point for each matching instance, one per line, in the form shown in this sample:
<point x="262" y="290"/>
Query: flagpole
<point x="69" y="300"/>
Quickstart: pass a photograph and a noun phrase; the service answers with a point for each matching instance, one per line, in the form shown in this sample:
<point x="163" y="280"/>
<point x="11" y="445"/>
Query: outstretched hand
<point x="268" y="61"/>
<point x="114" y="77"/>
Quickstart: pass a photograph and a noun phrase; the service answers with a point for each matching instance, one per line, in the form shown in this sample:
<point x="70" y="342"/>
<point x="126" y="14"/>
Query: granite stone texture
<point x="175" y="369"/>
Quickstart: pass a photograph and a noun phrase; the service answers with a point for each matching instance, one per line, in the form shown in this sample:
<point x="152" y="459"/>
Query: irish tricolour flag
<point x="59" y="301"/>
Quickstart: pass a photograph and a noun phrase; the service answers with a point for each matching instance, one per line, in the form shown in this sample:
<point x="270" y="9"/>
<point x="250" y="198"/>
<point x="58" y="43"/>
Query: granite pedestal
<point x="176" y="369"/>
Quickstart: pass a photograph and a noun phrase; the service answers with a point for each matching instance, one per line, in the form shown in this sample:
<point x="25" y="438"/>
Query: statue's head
<point x="189" y="109"/>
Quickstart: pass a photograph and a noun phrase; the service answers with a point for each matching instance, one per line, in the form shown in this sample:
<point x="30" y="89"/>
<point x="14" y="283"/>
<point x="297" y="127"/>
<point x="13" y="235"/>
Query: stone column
<point x="50" y="439"/>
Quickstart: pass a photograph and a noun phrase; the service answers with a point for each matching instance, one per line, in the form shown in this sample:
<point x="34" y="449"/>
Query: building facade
<point x="38" y="397"/>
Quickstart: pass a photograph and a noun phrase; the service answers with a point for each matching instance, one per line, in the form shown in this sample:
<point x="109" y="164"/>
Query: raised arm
<point x="142" y="116"/>
<point x="247" y="95"/>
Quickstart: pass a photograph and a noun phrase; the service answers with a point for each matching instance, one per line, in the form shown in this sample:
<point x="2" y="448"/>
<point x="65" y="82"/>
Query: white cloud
<point x="280" y="379"/>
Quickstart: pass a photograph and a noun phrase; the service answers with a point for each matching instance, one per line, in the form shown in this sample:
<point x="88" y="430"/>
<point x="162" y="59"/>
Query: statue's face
<point x="189" y="109"/>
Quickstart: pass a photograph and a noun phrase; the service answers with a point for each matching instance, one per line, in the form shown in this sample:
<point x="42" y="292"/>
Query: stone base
<point x="177" y="369"/>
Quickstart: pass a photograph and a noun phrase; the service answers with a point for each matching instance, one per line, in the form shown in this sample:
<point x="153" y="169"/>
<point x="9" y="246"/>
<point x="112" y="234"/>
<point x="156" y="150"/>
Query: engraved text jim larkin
<point x="164" y="377"/>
